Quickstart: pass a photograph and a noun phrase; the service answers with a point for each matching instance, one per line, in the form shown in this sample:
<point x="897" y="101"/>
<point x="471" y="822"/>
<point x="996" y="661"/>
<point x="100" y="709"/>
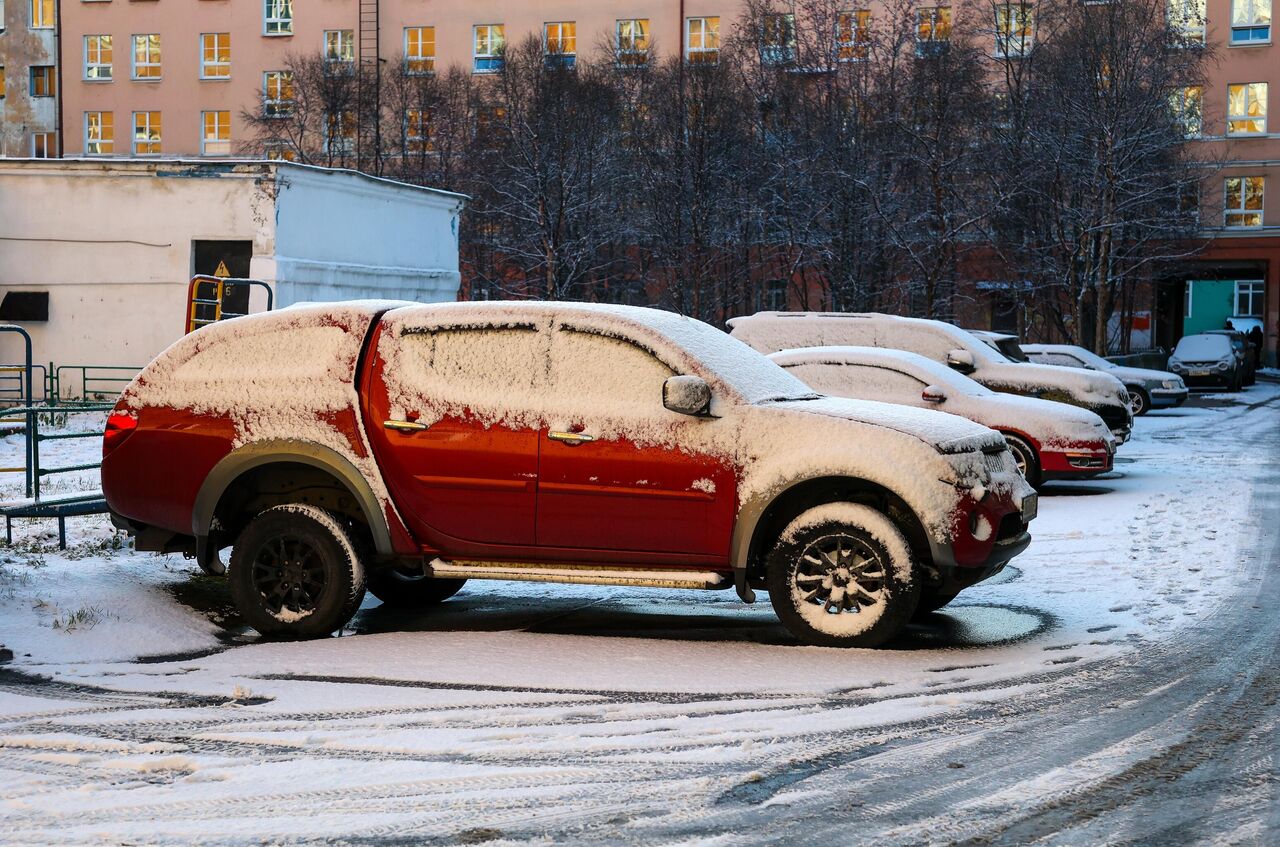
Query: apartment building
<point x="169" y="78"/>
<point x="28" y="78"/>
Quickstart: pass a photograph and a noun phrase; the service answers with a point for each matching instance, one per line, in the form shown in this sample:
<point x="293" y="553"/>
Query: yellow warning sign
<point x="222" y="271"/>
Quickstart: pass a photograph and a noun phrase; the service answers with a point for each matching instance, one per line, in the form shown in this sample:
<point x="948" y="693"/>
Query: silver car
<point x="1148" y="389"/>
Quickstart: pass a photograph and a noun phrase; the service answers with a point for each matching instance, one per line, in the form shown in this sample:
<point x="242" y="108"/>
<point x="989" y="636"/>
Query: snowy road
<point x="1118" y="685"/>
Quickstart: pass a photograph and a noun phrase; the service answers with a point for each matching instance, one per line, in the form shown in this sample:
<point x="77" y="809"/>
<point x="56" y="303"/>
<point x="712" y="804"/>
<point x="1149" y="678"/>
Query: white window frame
<point x="205" y="142"/>
<point x="631" y="51"/>
<point x="283" y="107"/>
<point x="158" y="64"/>
<point x="424" y="142"/>
<point x="1251" y="21"/>
<point x="345" y="37"/>
<point x="1243" y="209"/>
<point x="563" y="58"/>
<point x="492" y="59"/>
<point x="1188" y="17"/>
<point x="90" y="142"/>
<point x="854" y="48"/>
<point x="429" y="59"/>
<point x="50" y="145"/>
<point x="932" y="14"/>
<point x="277" y="17"/>
<point x="98" y="71"/>
<point x="206" y="66"/>
<point x="44" y="14"/>
<point x="1025" y="41"/>
<point x="1192" y="120"/>
<point x="345" y="146"/>
<point x="784" y="52"/>
<point x="1245" y="117"/>
<point x="1256" y="288"/>
<point x="704" y="30"/>
<point x="133" y="132"/>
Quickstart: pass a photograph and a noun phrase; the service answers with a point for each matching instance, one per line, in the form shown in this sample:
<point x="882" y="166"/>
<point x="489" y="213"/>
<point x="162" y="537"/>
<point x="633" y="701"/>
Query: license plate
<point x="1199" y="373"/>
<point x="1030" y="508"/>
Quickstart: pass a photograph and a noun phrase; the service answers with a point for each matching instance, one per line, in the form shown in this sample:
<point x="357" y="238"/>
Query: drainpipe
<point x="57" y="59"/>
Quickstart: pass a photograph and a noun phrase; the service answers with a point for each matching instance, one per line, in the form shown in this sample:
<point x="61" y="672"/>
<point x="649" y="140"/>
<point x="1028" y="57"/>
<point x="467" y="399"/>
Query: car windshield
<point x="1091" y="358"/>
<point x="1203" y="348"/>
<point x="1011" y="349"/>
<point x="751" y="374"/>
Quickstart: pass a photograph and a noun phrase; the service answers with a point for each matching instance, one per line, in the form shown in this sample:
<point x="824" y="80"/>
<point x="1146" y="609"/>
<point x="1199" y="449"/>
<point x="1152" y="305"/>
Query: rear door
<point x="443" y="418"/>
<point x="620" y="473"/>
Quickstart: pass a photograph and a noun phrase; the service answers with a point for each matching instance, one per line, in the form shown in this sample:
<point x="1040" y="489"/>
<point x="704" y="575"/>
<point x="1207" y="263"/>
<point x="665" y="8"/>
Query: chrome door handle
<point x="405" y="426"/>
<point x="573" y="439"/>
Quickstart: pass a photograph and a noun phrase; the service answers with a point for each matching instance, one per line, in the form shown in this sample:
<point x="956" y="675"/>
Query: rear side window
<point x="861" y="382"/>
<point x="605" y="373"/>
<point x="1060" y="359"/>
<point x="928" y="341"/>
<point x="475" y="367"/>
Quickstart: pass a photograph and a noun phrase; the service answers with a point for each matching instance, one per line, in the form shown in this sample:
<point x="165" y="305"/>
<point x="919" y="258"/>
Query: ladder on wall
<point x="370" y="130"/>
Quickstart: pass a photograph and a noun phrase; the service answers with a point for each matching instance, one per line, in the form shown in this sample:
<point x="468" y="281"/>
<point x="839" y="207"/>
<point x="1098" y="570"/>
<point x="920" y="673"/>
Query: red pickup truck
<point x="408" y="448"/>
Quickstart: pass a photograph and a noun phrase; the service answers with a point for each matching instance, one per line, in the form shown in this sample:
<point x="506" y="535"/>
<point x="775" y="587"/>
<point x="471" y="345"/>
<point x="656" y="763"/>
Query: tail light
<point x="119" y="427"/>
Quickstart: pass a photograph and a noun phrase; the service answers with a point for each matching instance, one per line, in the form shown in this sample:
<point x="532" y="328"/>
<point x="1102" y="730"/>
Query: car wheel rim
<point x="289" y="576"/>
<point x="1019" y="457"/>
<point x="1137" y="404"/>
<point x="839" y="575"/>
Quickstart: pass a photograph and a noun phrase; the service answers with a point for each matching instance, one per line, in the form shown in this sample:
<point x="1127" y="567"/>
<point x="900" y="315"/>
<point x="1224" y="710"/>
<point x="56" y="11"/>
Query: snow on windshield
<point x="1203" y="348"/>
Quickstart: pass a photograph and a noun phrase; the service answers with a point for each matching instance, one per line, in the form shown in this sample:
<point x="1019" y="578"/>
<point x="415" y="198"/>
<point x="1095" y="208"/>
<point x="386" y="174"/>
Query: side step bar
<point x="577" y="574"/>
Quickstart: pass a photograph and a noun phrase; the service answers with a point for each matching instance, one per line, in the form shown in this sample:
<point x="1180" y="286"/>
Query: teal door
<point x="1208" y="305"/>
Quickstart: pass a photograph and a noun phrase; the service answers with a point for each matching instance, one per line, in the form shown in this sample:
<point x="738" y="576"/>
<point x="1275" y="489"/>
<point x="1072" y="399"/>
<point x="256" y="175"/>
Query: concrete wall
<point x="22" y="46"/>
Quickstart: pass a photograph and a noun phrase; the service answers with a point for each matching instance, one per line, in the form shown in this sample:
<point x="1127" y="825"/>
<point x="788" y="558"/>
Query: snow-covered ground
<point x="523" y="712"/>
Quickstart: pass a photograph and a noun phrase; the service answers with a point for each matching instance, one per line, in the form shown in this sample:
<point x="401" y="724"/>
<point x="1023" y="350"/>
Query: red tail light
<point x="119" y="427"/>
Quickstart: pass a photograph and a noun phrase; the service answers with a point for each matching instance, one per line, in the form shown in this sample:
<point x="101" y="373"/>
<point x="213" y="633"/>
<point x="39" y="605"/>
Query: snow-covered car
<point x="1244" y="353"/>
<point x="1148" y="389"/>
<point x="1102" y="394"/>
<point x="410" y="448"/>
<point x="1207" y="358"/>
<point x="1049" y="440"/>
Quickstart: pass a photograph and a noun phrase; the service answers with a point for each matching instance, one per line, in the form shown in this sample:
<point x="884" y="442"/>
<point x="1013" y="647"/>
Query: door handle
<point x="573" y="439"/>
<point x="405" y="426"/>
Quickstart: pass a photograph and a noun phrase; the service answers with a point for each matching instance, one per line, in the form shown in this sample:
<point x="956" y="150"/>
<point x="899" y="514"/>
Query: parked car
<point x="1244" y="354"/>
<point x="1049" y="440"/>
<point x="1102" y="394"/>
<point x="1207" y="358"/>
<point x="1148" y="389"/>
<point x="410" y="448"/>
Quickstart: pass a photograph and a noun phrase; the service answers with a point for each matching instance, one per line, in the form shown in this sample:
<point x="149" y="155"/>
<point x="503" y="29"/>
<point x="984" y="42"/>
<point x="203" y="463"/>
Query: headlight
<point x="1175" y="365"/>
<point x="1223" y="365"/>
<point x="1170" y="383"/>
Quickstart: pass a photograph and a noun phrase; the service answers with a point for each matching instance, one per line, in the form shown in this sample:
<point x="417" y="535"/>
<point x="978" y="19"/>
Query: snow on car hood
<point x="1079" y="385"/>
<point x="945" y="433"/>
<point x="1126" y="372"/>
<point x="1053" y="424"/>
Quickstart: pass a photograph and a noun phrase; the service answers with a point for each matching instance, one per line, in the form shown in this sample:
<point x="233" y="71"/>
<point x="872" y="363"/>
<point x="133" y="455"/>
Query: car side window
<point x="476" y="367"/>
<point x="606" y="373"/>
<point x="860" y="382"/>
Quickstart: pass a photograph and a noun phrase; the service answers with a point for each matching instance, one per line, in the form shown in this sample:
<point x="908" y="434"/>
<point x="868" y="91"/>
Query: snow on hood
<point x="1203" y="348"/>
<point x="1126" y="372"/>
<point x="1091" y="387"/>
<point x="945" y="433"/>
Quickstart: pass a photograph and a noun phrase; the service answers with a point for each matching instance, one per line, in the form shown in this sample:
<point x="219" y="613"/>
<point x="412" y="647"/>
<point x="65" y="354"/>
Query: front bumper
<point x="1168" y="398"/>
<point x="1076" y="463"/>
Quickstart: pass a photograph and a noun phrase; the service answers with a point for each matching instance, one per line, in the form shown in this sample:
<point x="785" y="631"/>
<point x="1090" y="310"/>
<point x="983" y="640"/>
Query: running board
<point x="576" y="574"/>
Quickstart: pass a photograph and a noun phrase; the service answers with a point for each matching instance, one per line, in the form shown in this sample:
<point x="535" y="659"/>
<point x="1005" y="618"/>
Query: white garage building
<point x="96" y="256"/>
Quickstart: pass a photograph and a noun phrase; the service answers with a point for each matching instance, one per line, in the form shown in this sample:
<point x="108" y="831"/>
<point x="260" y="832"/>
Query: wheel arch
<point x="242" y="464"/>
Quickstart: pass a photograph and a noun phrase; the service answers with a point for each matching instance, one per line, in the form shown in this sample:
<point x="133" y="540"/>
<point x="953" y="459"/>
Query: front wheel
<point x="406" y="589"/>
<point x="1139" y="401"/>
<point x="295" y="572"/>
<point x="1026" y="458"/>
<point x="841" y="575"/>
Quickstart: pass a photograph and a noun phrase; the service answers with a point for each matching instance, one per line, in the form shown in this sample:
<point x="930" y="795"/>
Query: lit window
<point x="1188" y="109"/>
<point x="277" y="94"/>
<point x="933" y="29"/>
<point x="853" y="34"/>
<point x="44" y="145"/>
<point x="146" y="57"/>
<point x="1187" y="18"/>
<point x="491" y="126"/>
<point x="1250" y="21"/>
<point x="43" y="81"/>
<point x="1" y="66"/>
<point x="97" y="57"/>
<point x="1251" y="298"/>
<point x="99" y="133"/>
<point x="42" y="14"/>
<point x="146" y="133"/>
<point x="340" y="132"/>
<point x="277" y="17"/>
<point x="279" y="151"/>
<point x="1242" y="196"/>
<point x="778" y="39"/>
<point x="1015" y="29"/>
<point x="702" y="40"/>
<point x="633" y="41"/>
<point x="339" y="47"/>
<point x="417" y="131"/>
<point x="1247" y="109"/>
<point x="215" y="55"/>
<point x="560" y="43"/>
<point x="216" y="137"/>
<point x="489" y="44"/>
<point x="419" y="49"/>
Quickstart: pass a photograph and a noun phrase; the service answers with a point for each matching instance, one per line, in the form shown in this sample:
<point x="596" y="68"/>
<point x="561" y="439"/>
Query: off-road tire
<point x="1026" y="457"/>
<point x="869" y="552"/>
<point x="931" y="600"/>
<point x="403" y="590"/>
<point x="310" y="551"/>
<point x="1139" y="401"/>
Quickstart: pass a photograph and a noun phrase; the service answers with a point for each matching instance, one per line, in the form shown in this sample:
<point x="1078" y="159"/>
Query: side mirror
<point x="934" y="394"/>
<point x="687" y="395"/>
<point x="960" y="360"/>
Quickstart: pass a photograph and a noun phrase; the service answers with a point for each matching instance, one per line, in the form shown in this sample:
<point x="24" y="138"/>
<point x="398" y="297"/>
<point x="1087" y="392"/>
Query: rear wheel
<point x="1139" y="401"/>
<point x="405" y="588"/>
<point x="841" y="576"/>
<point x="295" y="572"/>
<point x="1025" y="456"/>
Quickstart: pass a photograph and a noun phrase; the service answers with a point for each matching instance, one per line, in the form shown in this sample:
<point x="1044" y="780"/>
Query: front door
<point x="618" y="472"/>
<point x="462" y="474"/>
